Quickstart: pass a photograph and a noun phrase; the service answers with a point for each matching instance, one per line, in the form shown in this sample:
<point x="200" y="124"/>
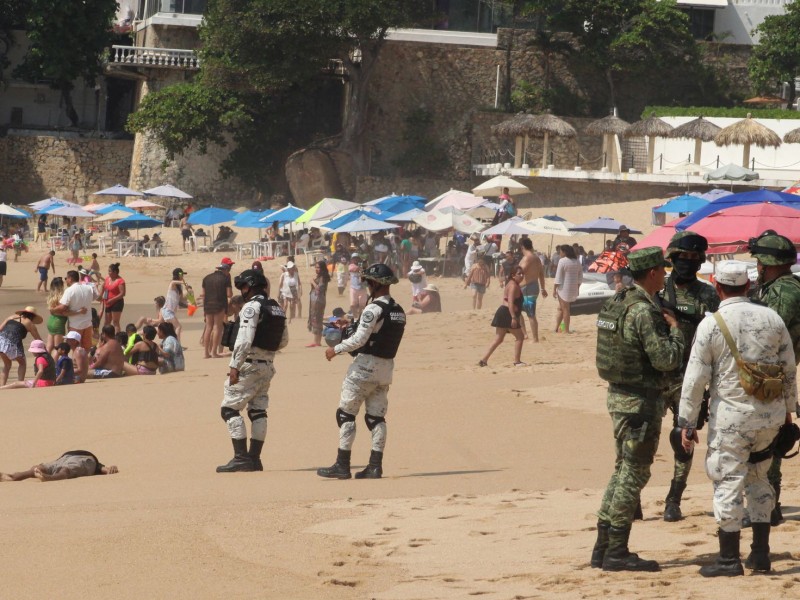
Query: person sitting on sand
<point x="145" y="353"/>
<point x="80" y="357"/>
<point x="429" y="301"/>
<point x="45" y="369"/>
<point x="71" y="464"/>
<point x="65" y="367"/>
<point x="172" y="359"/>
<point x="109" y="361"/>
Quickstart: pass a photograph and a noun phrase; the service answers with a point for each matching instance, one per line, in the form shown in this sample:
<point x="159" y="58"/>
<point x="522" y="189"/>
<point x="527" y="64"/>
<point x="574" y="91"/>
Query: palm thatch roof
<point x="746" y="132"/>
<point x="793" y="137"/>
<point x="535" y="125"/>
<point x="697" y="129"/>
<point x="650" y="127"/>
<point x="607" y="125"/>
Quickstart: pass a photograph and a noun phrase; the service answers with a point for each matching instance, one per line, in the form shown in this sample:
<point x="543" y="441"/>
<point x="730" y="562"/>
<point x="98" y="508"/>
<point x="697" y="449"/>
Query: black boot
<point x="776" y="517"/>
<point x="672" y="508"/>
<point x="240" y="462"/>
<point x="619" y="558"/>
<point x="374" y="469"/>
<point x="728" y="564"/>
<point x="637" y="514"/>
<point x="340" y="469"/>
<point x="759" y="555"/>
<point x="255" y="454"/>
<point x="601" y="545"/>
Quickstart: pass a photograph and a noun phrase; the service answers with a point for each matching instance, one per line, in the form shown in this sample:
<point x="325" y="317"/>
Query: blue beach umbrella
<point x="66" y="210"/>
<point x="682" y="204"/>
<point x="354" y="215"/>
<point x="363" y="223"/>
<point x="252" y="219"/>
<point x="754" y="197"/>
<point x="285" y="215"/>
<point x="212" y="216"/>
<point x="137" y="221"/>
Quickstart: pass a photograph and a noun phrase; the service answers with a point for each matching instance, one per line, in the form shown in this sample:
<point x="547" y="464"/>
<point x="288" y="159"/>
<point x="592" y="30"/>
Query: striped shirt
<point x="478" y="274"/>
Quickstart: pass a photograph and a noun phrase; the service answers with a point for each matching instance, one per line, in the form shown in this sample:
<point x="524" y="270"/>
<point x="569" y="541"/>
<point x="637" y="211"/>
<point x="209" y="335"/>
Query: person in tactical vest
<point x="690" y="299"/>
<point x="637" y="342"/>
<point x="373" y="340"/>
<point x="780" y="290"/>
<point x="261" y="332"/>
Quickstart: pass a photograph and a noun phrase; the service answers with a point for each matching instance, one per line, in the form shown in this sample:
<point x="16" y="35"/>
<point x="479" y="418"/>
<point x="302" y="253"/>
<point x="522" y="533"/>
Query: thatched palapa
<point x="651" y="129"/>
<point x="793" y="137"/>
<point x="526" y="125"/>
<point x="698" y="130"/>
<point x="608" y="127"/>
<point x="747" y="132"/>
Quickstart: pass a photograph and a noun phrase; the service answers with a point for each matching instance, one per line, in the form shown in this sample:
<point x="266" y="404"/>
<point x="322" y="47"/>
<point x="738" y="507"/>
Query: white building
<point x="730" y="21"/>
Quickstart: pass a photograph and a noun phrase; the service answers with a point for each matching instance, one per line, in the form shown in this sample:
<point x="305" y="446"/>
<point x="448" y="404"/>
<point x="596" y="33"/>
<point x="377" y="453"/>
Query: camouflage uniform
<point x="739" y="424"/>
<point x="782" y="295"/>
<point x="635" y="346"/>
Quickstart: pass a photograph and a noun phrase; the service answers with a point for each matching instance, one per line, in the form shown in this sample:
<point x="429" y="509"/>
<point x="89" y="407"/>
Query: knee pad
<point x="343" y="417"/>
<point x="228" y="413"/>
<point x="256" y="413"/>
<point x="372" y="421"/>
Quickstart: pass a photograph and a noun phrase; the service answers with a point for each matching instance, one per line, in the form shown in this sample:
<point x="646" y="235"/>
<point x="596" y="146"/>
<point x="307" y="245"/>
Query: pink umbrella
<point x="728" y="230"/>
<point x="455" y="199"/>
<point x="660" y="237"/>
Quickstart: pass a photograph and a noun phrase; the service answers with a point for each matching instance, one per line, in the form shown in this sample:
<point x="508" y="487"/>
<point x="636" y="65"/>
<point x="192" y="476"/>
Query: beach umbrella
<point x="287" y="214"/>
<point x="712" y="195"/>
<point x="660" y="236"/>
<point x="325" y="209"/>
<point x="112" y="207"/>
<point x="406" y="217"/>
<point x="52" y="201"/>
<point x="793" y="137"/>
<point x="390" y="201"/>
<point x="10" y="211"/>
<point x="541" y="126"/>
<point x="698" y="130"/>
<point x="114" y="215"/>
<point x="167" y="191"/>
<point x="364" y="223"/>
<point x="754" y="197"/>
<point x="353" y="215"/>
<point x="211" y="216"/>
<point x="650" y="128"/>
<point x="66" y="211"/>
<point x="252" y="219"/>
<point x="740" y="223"/>
<point x="609" y="127"/>
<point x="118" y="190"/>
<point x="495" y="186"/>
<point x="731" y="172"/>
<point x="793" y="189"/>
<point x="95" y="206"/>
<point x="142" y="203"/>
<point x="452" y="218"/>
<point x="512" y="226"/>
<point x="603" y="225"/>
<point x="682" y="204"/>
<point x="484" y="210"/>
<point x="455" y="199"/>
<point x="137" y="221"/>
<point x="549" y="226"/>
<point x="746" y="133"/>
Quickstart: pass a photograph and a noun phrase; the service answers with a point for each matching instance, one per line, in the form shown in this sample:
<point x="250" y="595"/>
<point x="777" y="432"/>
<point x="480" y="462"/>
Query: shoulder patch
<point x="367" y="317"/>
<point x="248" y="312"/>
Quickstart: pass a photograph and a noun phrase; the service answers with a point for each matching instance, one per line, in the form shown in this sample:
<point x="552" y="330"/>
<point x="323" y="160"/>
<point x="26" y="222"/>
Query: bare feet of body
<point x="5" y="477"/>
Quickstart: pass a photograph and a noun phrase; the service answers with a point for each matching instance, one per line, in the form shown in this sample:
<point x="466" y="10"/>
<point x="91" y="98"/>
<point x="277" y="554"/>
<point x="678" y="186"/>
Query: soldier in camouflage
<point x="741" y="427"/>
<point x="780" y="290"/>
<point x="690" y="299"/>
<point x="637" y="342"/>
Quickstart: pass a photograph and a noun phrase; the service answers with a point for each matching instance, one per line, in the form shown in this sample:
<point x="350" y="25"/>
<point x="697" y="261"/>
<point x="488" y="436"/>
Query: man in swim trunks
<point x="43" y="266"/>
<point x="532" y="282"/>
<point x="109" y="360"/>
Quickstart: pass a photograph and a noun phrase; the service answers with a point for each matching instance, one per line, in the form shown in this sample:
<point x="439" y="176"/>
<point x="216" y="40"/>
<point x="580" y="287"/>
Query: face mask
<point x="685" y="270"/>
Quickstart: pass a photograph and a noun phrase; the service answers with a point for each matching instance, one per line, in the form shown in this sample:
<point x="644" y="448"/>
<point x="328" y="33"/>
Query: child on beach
<point x="45" y="369"/>
<point x="341" y="274"/>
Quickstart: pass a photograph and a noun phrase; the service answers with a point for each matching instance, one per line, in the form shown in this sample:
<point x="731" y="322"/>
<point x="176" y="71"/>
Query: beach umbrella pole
<point x="698" y="148"/>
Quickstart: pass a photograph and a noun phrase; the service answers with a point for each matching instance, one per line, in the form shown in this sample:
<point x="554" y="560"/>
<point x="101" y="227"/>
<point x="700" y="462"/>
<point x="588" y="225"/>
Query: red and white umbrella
<point x="439" y="220"/>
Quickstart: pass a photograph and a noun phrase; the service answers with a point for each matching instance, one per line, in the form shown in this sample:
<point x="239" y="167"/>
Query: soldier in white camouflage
<point x="690" y="299"/>
<point x="637" y="343"/>
<point x="741" y="427"/>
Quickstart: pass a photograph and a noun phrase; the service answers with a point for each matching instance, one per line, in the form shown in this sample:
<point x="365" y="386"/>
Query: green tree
<point x="267" y="58"/>
<point x="67" y="41"/>
<point x="776" y="57"/>
<point x="628" y="37"/>
<point x="11" y="18"/>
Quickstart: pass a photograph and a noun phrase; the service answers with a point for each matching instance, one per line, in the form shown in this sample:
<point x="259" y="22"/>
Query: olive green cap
<point x="646" y="258"/>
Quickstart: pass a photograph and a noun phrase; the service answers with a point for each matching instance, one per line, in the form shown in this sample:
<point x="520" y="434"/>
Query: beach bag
<point x="762" y="381"/>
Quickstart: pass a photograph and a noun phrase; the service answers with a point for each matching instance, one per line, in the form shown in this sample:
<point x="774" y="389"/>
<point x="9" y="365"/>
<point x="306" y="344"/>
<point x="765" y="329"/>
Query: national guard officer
<point x="261" y="332"/>
<point x="637" y="342"/>
<point x="780" y="290"/>
<point x="373" y="340"/>
<point x="742" y="426"/>
<point x="690" y="299"/>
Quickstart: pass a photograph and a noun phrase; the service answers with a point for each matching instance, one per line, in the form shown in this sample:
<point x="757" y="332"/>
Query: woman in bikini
<point x="145" y="354"/>
<point x="507" y="319"/>
<point x="12" y="331"/>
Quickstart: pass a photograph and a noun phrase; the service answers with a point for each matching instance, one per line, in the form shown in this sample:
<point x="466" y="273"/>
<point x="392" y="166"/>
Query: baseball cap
<point x="338" y="312"/>
<point x="226" y="262"/>
<point x="73" y="335"/>
<point x="732" y="274"/>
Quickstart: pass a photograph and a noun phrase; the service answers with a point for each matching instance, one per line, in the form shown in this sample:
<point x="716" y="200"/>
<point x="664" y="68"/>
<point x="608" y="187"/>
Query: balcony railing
<point x="154" y="57"/>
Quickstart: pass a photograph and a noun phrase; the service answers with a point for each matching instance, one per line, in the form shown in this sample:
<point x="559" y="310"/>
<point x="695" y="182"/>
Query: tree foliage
<point x="269" y="62"/>
<point x="776" y="57"/>
<point x="11" y="17"/>
<point x="67" y="41"/>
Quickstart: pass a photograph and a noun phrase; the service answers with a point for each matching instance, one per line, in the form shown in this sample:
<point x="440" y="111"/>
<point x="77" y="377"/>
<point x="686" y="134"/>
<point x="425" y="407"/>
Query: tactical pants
<point x="774" y="474"/>
<point x="735" y="478"/>
<point x="680" y="472"/>
<point x="367" y="382"/>
<point x="636" y="437"/>
<point x="251" y="391"/>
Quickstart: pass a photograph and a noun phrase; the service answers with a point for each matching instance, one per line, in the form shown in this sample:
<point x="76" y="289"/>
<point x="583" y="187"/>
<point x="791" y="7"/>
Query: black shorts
<point x="186" y="234"/>
<point x="116" y="307"/>
<point x="2" y="268"/>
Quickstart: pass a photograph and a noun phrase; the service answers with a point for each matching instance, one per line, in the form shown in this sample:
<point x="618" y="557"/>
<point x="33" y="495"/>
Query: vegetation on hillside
<point x="776" y="57"/>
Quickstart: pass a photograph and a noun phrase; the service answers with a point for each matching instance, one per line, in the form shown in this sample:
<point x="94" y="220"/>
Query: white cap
<point x="73" y="335"/>
<point x="732" y="274"/>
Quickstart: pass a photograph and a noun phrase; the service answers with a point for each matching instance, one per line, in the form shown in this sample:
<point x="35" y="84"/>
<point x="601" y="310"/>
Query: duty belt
<point x="257" y="360"/>
<point x="634" y="390"/>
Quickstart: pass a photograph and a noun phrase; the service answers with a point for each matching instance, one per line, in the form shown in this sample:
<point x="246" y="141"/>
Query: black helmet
<point x="687" y="241"/>
<point x="379" y="273"/>
<point x="250" y="277"/>
<point x="676" y="441"/>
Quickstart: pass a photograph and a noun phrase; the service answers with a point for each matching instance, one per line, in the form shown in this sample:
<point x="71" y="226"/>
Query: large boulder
<point x="317" y="173"/>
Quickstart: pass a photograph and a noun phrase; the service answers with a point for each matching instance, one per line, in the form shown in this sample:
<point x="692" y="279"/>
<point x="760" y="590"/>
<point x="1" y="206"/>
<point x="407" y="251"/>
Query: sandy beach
<point x="491" y="476"/>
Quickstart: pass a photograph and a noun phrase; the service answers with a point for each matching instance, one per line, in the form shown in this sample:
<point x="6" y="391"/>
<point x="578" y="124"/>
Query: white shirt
<point x="470" y="256"/>
<point x="760" y="336"/>
<point x="569" y="276"/>
<point x="76" y="297"/>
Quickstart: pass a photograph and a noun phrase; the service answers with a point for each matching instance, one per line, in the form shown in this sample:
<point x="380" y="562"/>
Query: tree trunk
<point x="356" y="106"/>
<point x="611" y="90"/>
<point x="790" y="101"/>
<point x="69" y="108"/>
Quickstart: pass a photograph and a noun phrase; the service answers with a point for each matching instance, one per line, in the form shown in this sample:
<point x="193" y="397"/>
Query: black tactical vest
<point x="384" y="343"/>
<point x="269" y="330"/>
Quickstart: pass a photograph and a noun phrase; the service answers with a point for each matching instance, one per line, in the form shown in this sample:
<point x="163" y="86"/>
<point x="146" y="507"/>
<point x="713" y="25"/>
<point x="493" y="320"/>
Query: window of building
<point x="701" y="22"/>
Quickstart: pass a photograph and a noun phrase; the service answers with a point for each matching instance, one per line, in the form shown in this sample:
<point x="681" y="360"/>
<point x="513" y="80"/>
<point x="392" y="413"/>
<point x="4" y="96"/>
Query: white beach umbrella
<point x="495" y="185"/>
<point x="455" y="199"/>
<point x="167" y="191"/>
<point x="439" y="220"/>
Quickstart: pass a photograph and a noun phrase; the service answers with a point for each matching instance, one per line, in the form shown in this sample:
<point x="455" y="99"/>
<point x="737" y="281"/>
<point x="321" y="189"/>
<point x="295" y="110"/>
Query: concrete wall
<point x="740" y="17"/>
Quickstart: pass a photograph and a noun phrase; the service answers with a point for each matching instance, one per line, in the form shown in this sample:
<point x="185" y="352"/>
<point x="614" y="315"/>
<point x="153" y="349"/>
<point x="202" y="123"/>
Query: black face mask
<point x="685" y="270"/>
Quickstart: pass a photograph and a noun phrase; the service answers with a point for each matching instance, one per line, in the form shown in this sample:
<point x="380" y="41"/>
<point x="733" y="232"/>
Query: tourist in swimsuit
<point x="507" y="319"/>
<point x="56" y="324"/>
<point x="145" y="353"/>
<point x="112" y="291"/>
<point x="12" y="331"/>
